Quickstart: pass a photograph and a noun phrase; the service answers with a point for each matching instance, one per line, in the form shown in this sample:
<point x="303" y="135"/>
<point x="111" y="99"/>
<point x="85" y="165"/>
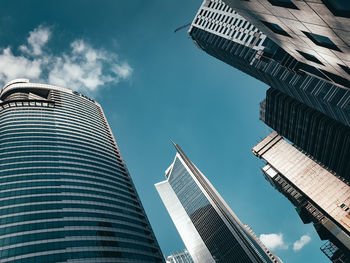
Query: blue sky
<point x="154" y="85"/>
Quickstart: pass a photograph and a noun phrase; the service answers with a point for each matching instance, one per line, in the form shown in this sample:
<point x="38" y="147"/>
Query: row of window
<point x="66" y="198"/>
<point x="219" y="5"/>
<point x="48" y="236"/>
<point x="39" y="142"/>
<point x="68" y="205"/>
<point x="46" y="153"/>
<point x="59" y="125"/>
<point x="228" y="25"/>
<point x="81" y="177"/>
<point x="337" y="7"/>
<point x="61" y="190"/>
<point x="56" y="133"/>
<point x="49" y="161"/>
<point x="31" y="114"/>
<point x="69" y="222"/>
<point x="102" y="244"/>
<point x="52" y="168"/>
<point x="59" y="214"/>
<point x="65" y="184"/>
<point x="85" y="254"/>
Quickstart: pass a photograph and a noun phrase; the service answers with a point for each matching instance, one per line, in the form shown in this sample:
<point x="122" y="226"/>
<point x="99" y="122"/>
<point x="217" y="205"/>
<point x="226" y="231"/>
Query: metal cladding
<point x="208" y="227"/>
<point x="319" y="195"/>
<point x="66" y="194"/>
<point x="225" y="34"/>
<point x="313" y="32"/>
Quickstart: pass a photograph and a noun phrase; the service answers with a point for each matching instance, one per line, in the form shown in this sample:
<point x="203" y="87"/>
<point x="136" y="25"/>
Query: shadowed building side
<point x="222" y="33"/>
<point x="324" y="139"/>
<point x="313" y="32"/>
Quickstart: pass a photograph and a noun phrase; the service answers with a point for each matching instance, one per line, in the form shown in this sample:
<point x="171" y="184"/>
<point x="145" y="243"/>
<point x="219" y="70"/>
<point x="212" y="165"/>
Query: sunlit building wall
<point x="319" y="195"/>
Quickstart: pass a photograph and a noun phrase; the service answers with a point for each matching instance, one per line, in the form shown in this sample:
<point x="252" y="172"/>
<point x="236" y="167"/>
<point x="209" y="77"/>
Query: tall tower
<point x="66" y="194"/>
<point x="226" y="35"/>
<point x="320" y="196"/>
<point x="317" y="135"/>
<point x="208" y="227"/>
<point x="313" y="32"/>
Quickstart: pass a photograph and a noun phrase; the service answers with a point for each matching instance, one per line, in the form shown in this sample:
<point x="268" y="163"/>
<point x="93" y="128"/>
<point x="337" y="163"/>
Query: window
<point x="338" y="7"/>
<point x="276" y="28"/>
<point x="310" y="57"/>
<point x="283" y="3"/>
<point x="345" y="68"/>
<point x="322" y="41"/>
<point x="336" y="78"/>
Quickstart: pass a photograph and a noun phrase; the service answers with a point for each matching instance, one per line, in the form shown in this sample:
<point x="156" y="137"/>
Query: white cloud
<point x="12" y="66"/>
<point x="122" y="70"/>
<point x="273" y="241"/>
<point x="82" y="68"/>
<point x="36" y="41"/>
<point x="86" y="68"/>
<point x="299" y="244"/>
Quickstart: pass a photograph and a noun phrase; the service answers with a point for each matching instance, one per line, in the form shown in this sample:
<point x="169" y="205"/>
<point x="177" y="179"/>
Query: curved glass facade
<point x="66" y="195"/>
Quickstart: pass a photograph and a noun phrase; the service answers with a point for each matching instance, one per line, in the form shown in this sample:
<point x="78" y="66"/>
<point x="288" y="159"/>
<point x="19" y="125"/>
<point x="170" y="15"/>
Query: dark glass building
<point x="209" y="228"/>
<point x="65" y="192"/>
<point x="313" y="32"/>
<point x="221" y="32"/>
<point x="317" y="135"/>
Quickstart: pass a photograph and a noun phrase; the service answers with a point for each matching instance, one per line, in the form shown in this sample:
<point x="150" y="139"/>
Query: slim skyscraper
<point x="223" y="33"/>
<point x="208" y="227"/>
<point x="66" y="194"/>
<point x="320" y="196"/>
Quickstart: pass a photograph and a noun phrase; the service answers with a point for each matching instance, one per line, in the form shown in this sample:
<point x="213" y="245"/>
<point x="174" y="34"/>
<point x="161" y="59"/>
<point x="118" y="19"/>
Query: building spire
<point x="179" y="150"/>
<point x="173" y="142"/>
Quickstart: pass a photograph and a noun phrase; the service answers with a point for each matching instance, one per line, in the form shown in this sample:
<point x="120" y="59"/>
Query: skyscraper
<point x="223" y="33"/>
<point x="313" y="32"/>
<point x="320" y="196"/>
<point x="208" y="227"/>
<point x="66" y="194"/>
<point x="180" y="257"/>
<point x="317" y="135"/>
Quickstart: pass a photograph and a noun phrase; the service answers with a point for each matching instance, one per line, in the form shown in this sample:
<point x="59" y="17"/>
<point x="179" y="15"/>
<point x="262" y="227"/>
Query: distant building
<point x="180" y="257"/>
<point x="223" y="33"/>
<point x="319" y="196"/>
<point x="314" y="32"/>
<point x="209" y="229"/>
<point x="317" y="135"/>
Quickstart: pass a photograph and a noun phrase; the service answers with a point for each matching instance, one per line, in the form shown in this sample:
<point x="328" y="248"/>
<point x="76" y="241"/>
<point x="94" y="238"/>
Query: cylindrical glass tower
<point x="65" y="192"/>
